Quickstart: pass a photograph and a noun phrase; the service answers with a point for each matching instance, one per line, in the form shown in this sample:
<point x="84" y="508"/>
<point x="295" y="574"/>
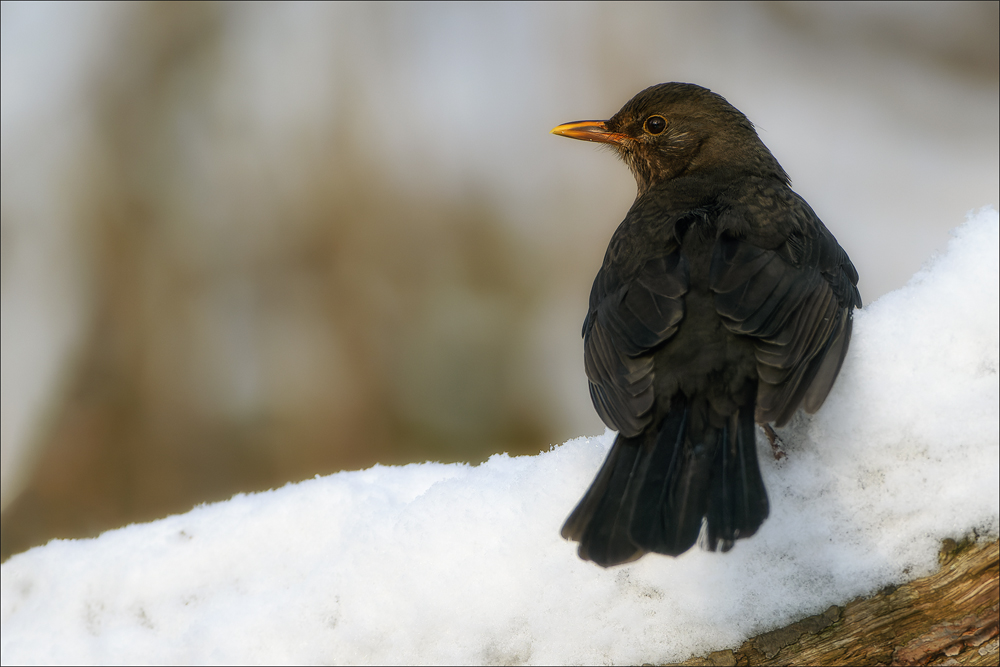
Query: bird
<point x="723" y="302"/>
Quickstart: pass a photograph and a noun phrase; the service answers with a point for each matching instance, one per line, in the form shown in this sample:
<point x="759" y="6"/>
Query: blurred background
<point x="245" y="244"/>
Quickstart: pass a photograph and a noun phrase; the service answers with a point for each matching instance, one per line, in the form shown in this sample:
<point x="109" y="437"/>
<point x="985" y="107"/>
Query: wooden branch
<point x="947" y="618"/>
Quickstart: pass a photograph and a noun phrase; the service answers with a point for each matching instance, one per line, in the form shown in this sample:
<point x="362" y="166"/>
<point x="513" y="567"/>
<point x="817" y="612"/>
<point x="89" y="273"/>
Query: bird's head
<point x="673" y="129"/>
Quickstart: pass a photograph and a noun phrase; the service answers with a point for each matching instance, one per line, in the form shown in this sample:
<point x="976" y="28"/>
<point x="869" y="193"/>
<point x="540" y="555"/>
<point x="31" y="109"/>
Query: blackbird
<point x="722" y="301"/>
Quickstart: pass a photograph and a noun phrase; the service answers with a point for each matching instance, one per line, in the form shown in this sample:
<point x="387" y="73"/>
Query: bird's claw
<point x="775" y="442"/>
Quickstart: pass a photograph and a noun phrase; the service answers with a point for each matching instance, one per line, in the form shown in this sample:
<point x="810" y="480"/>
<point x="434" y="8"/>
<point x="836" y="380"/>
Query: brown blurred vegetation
<point x="361" y="327"/>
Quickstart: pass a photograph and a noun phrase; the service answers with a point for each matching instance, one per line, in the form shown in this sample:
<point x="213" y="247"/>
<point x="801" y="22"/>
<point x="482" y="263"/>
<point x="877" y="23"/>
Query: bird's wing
<point x="627" y="319"/>
<point x="796" y="298"/>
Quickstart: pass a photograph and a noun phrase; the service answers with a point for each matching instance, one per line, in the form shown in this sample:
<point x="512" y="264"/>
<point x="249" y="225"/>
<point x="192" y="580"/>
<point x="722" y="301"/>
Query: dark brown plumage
<point x="723" y="300"/>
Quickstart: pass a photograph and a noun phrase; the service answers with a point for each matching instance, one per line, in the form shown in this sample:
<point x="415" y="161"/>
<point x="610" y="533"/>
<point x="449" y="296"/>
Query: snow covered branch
<point x="432" y="563"/>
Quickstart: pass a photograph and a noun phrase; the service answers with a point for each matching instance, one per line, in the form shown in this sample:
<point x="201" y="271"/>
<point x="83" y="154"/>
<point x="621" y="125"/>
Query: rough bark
<point x="947" y="618"/>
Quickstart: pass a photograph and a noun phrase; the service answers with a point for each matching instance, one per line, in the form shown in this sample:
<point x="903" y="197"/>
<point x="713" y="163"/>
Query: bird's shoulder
<point x="654" y="227"/>
<point x="767" y="215"/>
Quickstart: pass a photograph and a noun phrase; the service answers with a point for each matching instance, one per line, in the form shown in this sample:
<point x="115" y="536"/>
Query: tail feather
<point x="599" y="522"/>
<point x="668" y="508"/>
<point x="737" y="503"/>
<point x="656" y="490"/>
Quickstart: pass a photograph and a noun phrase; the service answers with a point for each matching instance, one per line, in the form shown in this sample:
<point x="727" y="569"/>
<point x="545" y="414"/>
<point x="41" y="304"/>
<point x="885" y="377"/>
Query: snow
<point x="433" y="563"/>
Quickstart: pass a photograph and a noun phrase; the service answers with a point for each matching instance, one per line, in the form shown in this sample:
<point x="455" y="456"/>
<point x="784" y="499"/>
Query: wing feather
<point x="626" y="321"/>
<point x="796" y="300"/>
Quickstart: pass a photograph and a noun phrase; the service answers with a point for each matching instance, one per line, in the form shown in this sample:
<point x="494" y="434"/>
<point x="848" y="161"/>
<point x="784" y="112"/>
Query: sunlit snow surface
<point x="435" y="563"/>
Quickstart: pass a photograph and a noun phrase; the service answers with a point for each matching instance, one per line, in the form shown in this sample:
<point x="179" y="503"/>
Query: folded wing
<point x="797" y="301"/>
<point x="627" y="319"/>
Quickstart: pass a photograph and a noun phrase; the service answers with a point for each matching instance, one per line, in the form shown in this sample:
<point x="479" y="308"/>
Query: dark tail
<point x="656" y="488"/>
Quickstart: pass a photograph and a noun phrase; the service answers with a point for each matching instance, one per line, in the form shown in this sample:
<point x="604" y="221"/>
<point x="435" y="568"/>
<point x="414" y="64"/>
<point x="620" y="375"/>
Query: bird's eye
<point x="655" y="124"/>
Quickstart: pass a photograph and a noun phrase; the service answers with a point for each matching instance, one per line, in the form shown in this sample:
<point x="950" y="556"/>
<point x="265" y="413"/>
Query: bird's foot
<point x="775" y="441"/>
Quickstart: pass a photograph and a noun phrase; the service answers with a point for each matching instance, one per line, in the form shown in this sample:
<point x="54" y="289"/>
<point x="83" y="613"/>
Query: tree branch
<point x="947" y="618"/>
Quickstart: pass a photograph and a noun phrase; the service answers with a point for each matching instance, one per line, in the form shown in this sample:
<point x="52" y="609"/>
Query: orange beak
<point x="590" y="130"/>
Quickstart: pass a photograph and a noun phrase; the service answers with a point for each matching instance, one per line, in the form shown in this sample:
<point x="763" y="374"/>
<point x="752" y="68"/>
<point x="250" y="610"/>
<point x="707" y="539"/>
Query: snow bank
<point x="435" y="563"/>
